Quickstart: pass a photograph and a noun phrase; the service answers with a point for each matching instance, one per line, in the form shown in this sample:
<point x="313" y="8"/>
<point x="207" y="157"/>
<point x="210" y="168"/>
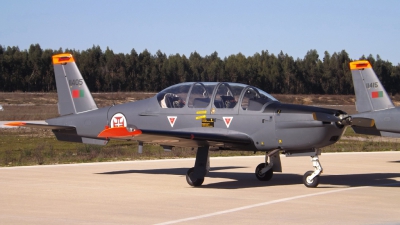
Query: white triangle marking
<point x="227" y="120"/>
<point x="172" y="120"/>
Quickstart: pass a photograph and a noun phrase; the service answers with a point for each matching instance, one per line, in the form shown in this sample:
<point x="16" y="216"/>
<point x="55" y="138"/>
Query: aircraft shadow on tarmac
<point x="239" y="180"/>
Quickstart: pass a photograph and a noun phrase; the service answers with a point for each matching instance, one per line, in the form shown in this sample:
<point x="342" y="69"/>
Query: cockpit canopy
<point x="221" y="95"/>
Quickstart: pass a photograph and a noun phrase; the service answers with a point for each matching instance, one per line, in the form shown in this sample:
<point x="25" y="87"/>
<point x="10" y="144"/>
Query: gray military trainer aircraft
<point x="373" y="102"/>
<point x="202" y="115"/>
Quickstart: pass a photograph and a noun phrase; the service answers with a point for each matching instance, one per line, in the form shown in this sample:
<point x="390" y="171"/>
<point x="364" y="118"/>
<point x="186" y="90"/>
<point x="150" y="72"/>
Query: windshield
<point x="174" y="96"/>
<point x="199" y="94"/>
<point x="254" y="99"/>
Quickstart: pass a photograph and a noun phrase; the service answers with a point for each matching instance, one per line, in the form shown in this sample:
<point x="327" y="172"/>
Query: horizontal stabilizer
<point x="390" y="134"/>
<point x="376" y="132"/>
<point x="37" y="125"/>
<point x="94" y="141"/>
<point x="367" y="131"/>
<point x="70" y="135"/>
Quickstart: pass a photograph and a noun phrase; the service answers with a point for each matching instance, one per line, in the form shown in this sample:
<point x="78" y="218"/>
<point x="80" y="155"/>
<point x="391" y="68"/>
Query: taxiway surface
<point x="355" y="188"/>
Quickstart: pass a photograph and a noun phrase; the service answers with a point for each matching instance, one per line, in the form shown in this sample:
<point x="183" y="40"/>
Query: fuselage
<point x="216" y="108"/>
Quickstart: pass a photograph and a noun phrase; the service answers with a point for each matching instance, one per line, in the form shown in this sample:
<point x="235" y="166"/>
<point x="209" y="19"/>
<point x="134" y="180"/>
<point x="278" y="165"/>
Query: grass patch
<point x="362" y="146"/>
<point x="352" y="142"/>
<point x="24" y="146"/>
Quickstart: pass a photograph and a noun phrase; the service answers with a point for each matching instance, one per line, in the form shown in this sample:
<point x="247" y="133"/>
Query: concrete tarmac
<point x="355" y="188"/>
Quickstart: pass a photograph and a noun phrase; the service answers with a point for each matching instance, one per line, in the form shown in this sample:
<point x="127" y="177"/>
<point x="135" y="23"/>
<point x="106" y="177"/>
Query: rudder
<point x="370" y="94"/>
<point x="73" y="94"/>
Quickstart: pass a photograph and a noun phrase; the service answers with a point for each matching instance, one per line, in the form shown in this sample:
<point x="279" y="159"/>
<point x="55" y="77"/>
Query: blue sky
<point x="228" y="27"/>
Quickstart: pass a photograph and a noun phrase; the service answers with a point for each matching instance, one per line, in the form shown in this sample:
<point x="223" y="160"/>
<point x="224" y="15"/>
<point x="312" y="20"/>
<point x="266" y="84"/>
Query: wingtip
<point x="15" y="124"/>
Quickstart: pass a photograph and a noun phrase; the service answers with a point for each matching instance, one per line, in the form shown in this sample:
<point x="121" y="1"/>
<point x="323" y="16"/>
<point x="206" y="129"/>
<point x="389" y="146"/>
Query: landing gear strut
<point x="265" y="171"/>
<point x="195" y="176"/>
<point x="311" y="178"/>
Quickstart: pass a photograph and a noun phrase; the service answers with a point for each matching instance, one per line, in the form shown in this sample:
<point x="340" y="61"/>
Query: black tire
<point x="195" y="183"/>
<point x="266" y="176"/>
<point x="314" y="182"/>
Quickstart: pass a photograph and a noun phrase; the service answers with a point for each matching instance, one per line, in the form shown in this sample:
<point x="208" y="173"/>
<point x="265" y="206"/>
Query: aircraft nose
<point x="310" y="126"/>
<point x="304" y="137"/>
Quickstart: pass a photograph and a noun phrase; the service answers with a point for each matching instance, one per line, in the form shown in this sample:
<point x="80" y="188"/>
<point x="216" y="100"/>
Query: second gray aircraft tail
<point x="370" y="94"/>
<point x="73" y="94"/>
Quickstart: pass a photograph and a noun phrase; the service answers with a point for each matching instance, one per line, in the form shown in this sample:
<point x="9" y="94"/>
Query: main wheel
<point x="266" y="176"/>
<point x="310" y="183"/>
<point x="194" y="183"/>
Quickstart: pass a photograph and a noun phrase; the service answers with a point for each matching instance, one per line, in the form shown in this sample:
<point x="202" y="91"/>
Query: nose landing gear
<point x="311" y="178"/>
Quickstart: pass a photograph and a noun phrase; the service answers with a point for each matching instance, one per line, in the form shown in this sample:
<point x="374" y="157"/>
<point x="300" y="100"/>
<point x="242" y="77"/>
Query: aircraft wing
<point x="188" y="137"/>
<point x="235" y="138"/>
<point x="38" y="125"/>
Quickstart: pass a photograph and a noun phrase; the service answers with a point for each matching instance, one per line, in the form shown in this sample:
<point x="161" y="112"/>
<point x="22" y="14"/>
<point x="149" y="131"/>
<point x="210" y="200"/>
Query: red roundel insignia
<point x="118" y="120"/>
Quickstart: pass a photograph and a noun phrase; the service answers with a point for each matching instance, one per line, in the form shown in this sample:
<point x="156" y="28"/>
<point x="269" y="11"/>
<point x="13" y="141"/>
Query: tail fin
<point x="73" y="94"/>
<point x="370" y="94"/>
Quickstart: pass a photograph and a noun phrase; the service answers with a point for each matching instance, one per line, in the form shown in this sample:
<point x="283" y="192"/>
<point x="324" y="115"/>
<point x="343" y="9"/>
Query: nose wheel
<point x="311" y="178"/>
<point x="310" y="182"/>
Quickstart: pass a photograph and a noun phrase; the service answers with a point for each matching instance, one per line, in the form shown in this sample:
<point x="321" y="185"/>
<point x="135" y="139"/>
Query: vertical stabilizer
<point x="73" y="93"/>
<point x="370" y="94"/>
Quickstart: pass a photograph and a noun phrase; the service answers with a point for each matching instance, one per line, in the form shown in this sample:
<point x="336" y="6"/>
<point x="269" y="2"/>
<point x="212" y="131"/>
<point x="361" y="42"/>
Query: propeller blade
<point x="325" y="117"/>
<point x="362" y="122"/>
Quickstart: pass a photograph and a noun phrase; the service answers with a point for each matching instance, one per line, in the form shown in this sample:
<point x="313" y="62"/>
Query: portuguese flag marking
<point x="377" y="94"/>
<point x="77" y="93"/>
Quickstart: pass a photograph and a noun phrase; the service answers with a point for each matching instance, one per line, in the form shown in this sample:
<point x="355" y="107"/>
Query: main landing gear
<point x="195" y="176"/>
<point x="265" y="171"/>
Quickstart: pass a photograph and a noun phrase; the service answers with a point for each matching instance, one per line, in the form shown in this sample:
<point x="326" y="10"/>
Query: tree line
<point x="31" y="70"/>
